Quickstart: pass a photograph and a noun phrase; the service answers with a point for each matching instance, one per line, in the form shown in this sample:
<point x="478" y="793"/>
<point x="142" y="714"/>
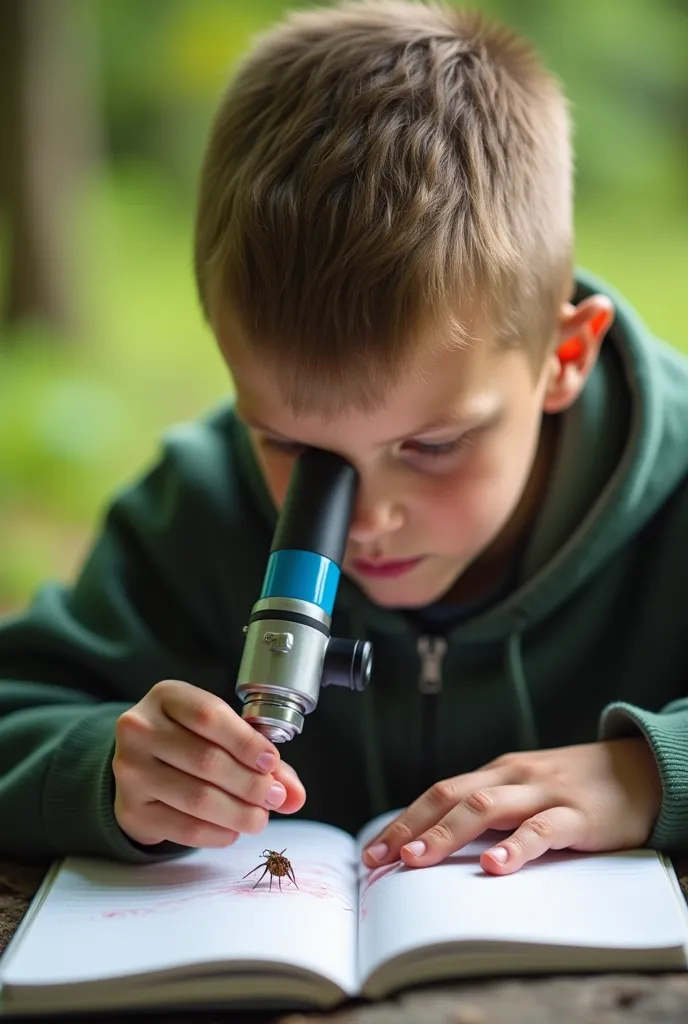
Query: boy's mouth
<point x="386" y="570"/>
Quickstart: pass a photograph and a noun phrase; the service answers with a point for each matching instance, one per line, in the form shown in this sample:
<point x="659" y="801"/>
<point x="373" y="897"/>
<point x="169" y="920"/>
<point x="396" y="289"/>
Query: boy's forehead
<point x="455" y="388"/>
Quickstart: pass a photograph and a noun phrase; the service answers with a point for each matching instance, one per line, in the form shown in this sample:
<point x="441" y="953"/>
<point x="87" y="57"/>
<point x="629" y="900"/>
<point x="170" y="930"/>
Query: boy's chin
<point x="393" y="593"/>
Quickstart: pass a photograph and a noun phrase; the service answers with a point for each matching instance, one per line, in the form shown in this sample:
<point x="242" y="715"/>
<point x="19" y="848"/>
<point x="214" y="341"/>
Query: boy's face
<point x="444" y="463"/>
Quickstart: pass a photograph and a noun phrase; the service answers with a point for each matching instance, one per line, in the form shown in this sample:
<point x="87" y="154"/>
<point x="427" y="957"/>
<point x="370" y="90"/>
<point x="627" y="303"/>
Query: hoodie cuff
<point x="79" y="795"/>
<point x="667" y="733"/>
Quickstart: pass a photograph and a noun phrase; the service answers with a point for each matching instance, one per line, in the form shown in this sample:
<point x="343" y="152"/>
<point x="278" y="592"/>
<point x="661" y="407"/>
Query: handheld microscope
<point x="288" y="651"/>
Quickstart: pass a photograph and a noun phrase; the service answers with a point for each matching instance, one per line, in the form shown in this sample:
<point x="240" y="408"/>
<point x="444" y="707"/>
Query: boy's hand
<point x="190" y="770"/>
<point x="597" y="796"/>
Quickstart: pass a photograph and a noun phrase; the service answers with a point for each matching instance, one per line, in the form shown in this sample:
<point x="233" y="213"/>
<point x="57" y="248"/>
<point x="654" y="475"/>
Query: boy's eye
<point x="442" y="448"/>
<point x="424" y="448"/>
<point x="285" y="447"/>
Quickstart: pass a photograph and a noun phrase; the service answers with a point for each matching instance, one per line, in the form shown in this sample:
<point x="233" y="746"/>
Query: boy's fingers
<point x="556" y="829"/>
<point x="209" y="716"/>
<point x="426" y="811"/>
<point x="197" y="757"/>
<point x="166" y="823"/>
<point x="296" y="794"/>
<point x="198" y="799"/>
<point x="498" y="808"/>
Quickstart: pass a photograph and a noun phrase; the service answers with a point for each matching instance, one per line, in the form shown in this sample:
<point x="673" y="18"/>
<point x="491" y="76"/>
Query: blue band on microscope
<point x="302" y="576"/>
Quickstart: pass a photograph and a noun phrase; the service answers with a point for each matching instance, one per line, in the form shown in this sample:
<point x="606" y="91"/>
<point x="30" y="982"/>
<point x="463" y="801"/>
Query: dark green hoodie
<point x="592" y="640"/>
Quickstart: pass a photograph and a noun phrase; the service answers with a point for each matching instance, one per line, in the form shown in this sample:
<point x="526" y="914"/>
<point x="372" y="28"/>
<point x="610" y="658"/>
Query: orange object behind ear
<point x="570" y="351"/>
<point x="598" y="322"/>
<point x="573" y="349"/>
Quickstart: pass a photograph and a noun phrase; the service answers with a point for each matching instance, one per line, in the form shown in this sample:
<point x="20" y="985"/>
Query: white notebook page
<point x="103" y="919"/>
<point x="618" y="900"/>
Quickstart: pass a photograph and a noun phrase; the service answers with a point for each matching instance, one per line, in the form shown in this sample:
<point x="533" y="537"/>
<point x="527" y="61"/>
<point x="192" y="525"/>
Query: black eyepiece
<point x="318" y="507"/>
<point x="348" y="663"/>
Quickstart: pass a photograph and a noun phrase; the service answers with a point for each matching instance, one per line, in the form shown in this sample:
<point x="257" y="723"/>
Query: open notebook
<point x="192" y="932"/>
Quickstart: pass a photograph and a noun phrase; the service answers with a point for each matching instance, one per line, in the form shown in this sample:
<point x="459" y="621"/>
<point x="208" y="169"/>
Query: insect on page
<point x="129" y="919"/>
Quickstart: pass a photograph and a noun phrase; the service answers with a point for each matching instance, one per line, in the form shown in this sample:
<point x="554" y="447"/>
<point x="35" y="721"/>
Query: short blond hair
<point x="380" y="169"/>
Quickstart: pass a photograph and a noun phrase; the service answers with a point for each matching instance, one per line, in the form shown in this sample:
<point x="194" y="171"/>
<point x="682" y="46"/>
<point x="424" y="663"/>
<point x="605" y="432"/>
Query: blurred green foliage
<point x="80" y="416"/>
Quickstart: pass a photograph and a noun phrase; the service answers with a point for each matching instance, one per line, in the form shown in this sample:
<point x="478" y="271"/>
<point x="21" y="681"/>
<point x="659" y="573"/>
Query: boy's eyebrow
<point x="452" y="419"/>
<point x="253" y="421"/>
<point x="464" y="419"/>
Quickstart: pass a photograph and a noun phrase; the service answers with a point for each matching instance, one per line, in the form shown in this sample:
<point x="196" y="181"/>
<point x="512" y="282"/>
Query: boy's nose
<point x="373" y="520"/>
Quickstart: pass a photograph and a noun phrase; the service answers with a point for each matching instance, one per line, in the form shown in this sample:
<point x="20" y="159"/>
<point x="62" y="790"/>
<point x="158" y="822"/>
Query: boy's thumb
<point x="296" y="794"/>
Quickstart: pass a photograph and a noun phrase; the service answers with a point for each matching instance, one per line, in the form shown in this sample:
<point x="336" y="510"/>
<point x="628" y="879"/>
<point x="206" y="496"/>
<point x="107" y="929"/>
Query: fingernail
<point x="378" y="852"/>
<point x="266" y="762"/>
<point x="276" y="795"/>
<point x="499" y="854"/>
<point x="416" y="848"/>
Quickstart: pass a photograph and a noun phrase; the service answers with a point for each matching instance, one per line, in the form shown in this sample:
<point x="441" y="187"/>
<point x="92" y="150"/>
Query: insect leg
<point x="254" y="869"/>
<point x="262" y="877"/>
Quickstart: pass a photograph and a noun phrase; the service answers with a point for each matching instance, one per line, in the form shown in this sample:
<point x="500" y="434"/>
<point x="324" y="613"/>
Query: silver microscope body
<point x="289" y="652"/>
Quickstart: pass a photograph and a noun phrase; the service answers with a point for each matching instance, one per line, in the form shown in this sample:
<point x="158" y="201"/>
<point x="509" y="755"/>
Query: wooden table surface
<point x="589" y="999"/>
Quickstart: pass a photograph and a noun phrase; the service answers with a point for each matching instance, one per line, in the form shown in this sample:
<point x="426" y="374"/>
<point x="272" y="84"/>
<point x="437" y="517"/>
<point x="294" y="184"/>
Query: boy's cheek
<point x="276" y="470"/>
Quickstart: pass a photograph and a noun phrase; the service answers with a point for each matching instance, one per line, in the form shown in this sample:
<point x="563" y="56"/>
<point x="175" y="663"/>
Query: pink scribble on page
<point x="369" y="881"/>
<point x="314" y="881"/>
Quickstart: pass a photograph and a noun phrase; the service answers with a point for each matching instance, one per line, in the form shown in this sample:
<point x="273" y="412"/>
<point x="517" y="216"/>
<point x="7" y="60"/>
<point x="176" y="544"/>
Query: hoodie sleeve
<point x="667" y="733"/>
<point x="148" y="605"/>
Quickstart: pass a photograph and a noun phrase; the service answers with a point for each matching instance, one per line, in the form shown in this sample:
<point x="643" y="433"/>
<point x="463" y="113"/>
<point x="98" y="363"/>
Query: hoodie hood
<point x="623" y="449"/>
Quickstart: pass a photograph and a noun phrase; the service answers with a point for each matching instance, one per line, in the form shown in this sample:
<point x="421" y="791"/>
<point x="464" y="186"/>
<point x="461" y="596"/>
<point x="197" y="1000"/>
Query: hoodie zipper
<point x="431" y="650"/>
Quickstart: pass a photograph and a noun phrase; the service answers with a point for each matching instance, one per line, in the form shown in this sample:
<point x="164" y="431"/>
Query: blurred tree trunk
<point x="46" y="138"/>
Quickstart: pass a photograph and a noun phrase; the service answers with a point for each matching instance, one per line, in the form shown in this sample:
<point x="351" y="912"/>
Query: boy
<point x="383" y="252"/>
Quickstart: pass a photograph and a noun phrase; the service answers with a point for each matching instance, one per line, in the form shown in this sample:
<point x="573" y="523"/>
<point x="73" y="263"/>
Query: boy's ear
<point x="581" y="331"/>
